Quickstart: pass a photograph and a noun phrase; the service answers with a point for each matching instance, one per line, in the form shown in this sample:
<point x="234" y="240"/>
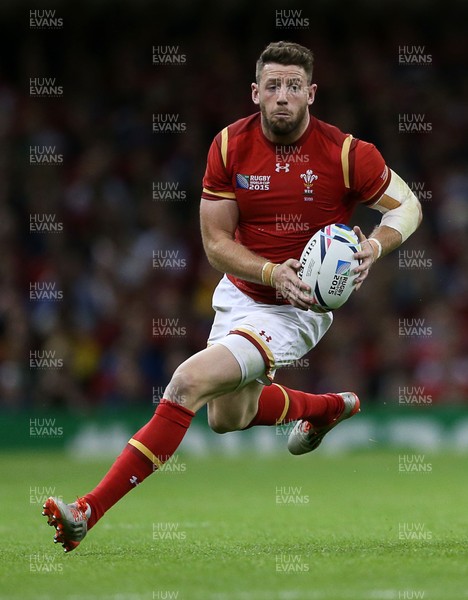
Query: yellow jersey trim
<point x="227" y="195"/>
<point x="345" y="159"/>
<point x="224" y="145"/>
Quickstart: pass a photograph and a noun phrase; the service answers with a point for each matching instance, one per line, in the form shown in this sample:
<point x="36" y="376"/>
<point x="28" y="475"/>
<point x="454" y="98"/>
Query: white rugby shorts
<point x="263" y="337"/>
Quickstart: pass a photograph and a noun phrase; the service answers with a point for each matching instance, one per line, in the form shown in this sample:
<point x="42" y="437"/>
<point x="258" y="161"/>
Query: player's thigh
<point x="208" y="374"/>
<point x="235" y="410"/>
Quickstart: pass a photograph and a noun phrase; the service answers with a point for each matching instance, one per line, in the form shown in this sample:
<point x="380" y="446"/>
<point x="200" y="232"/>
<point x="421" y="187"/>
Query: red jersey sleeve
<point x="217" y="184"/>
<point x="371" y="175"/>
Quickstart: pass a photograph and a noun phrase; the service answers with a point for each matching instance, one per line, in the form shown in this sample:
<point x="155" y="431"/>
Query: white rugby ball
<point x="327" y="264"/>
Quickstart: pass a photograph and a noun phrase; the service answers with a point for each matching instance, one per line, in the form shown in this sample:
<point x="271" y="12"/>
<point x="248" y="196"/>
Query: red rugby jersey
<point x="285" y="193"/>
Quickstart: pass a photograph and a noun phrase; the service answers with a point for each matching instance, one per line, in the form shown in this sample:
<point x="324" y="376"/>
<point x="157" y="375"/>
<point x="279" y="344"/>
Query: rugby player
<point x="279" y="161"/>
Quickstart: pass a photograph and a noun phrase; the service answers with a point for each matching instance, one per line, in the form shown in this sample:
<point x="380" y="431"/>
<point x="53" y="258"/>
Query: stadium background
<point x="107" y="294"/>
<point x="382" y="522"/>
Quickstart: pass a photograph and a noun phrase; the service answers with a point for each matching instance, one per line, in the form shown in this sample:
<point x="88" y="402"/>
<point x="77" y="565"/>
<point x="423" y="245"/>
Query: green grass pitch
<point x="325" y="527"/>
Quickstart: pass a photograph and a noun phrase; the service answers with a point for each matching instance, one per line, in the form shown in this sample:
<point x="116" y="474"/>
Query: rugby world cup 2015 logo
<point x="342" y="272"/>
<point x="253" y="182"/>
<point x="343" y="267"/>
<point x="308" y="177"/>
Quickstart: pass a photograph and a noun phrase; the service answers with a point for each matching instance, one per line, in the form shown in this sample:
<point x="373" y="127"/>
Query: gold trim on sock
<point x="286" y="403"/>
<point x="144" y="450"/>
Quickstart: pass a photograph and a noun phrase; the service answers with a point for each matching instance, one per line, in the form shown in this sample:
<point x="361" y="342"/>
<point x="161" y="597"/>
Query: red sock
<point x="147" y="450"/>
<point x="278" y="404"/>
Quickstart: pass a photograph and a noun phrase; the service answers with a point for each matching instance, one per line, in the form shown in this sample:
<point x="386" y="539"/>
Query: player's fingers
<point x="298" y="302"/>
<point x="295" y="296"/>
<point x="357" y="282"/>
<point x="365" y="258"/>
<point x="299" y="305"/>
<point x="358" y="232"/>
<point x="286" y="279"/>
<point x="285" y="276"/>
<point x="367" y="251"/>
<point x="300" y="290"/>
<point x="365" y="265"/>
<point x="298" y="283"/>
<point x="360" y="278"/>
<point x="293" y="263"/>
<point x="302" y="286"/>
<point x="366" y="254"/>
<point x="304" y="303"/>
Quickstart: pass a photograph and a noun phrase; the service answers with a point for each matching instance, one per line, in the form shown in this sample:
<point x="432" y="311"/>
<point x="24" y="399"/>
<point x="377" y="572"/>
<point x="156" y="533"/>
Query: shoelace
<point x="79" y="513"/>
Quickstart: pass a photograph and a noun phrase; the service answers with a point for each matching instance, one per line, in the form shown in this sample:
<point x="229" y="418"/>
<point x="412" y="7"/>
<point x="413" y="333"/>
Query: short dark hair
<point x="286" y="53"/>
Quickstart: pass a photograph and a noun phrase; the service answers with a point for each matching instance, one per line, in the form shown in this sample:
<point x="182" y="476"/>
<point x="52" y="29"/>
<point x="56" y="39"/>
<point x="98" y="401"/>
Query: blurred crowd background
<point x="100" y="263"/>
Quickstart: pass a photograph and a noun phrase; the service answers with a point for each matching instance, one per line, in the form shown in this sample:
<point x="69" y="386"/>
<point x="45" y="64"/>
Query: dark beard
<point x="282" y="127"/>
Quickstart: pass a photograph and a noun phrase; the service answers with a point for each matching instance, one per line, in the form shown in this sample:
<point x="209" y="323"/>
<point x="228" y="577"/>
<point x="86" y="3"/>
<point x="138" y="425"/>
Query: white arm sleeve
<point x="401" y="210"/>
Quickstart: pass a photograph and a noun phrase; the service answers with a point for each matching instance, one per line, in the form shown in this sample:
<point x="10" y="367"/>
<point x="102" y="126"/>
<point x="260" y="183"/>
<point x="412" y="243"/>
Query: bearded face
<point x="283" y="96"/>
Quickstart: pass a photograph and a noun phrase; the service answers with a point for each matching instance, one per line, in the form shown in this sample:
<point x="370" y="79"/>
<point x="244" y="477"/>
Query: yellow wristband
<point x="267" y="272"/>
<point x="271" y="276"/>
<point x="263" y="271"/>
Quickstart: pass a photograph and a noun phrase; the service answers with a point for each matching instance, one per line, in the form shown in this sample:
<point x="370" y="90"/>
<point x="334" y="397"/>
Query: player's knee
<point x="184" y="388"/>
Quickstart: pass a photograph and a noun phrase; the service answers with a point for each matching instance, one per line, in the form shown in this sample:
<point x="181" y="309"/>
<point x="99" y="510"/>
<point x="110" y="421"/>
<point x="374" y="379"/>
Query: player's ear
<point x="255" y="98"/>
<point x="311" y="93"/>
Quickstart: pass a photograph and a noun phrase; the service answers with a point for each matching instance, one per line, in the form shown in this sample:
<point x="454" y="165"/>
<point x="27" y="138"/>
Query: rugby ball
<point x="327" y="264"/>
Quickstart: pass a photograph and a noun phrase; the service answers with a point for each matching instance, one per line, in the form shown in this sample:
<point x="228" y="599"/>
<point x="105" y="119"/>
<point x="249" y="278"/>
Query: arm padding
<point x="399" y="206"/>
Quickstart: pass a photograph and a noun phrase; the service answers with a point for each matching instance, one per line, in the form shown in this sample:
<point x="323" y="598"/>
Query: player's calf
<point x="222" y="423"/>
<point x="235" y="411"/>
